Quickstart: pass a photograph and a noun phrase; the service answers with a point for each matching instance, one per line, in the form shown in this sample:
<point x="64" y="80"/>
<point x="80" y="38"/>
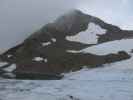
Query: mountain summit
<point x="57" y="47"/>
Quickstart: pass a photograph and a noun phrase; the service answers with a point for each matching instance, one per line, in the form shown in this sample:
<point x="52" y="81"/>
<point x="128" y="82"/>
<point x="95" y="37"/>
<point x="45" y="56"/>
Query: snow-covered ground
<point x="111" y="82"/>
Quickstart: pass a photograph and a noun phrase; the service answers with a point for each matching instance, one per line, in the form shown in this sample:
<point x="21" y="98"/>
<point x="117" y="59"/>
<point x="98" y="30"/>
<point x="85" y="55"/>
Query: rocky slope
<point x="44" y="54"/>
<point x="111" y="82"/>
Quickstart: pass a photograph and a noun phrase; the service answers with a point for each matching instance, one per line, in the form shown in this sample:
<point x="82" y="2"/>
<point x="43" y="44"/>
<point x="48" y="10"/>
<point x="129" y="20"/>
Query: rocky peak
<point x="72" y="22"/>
<point x="45" y="51"/>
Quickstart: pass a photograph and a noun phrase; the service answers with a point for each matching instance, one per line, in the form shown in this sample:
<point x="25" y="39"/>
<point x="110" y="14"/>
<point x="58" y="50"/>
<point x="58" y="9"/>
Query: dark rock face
<point x="70" y="62"/>
<point x="113" y="57"/>
<point x="118" y="35"/>
<point x="44" y="54"/>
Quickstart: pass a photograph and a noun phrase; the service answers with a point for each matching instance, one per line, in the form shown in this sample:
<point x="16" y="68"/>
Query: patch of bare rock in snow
<point x="88" y="36"/>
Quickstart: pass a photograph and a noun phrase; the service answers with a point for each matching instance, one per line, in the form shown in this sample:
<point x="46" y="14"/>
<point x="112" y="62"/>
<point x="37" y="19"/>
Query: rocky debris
<point x="44" y="54"/>
<point x="115" y="35"/>
<point x="113" y="57"/>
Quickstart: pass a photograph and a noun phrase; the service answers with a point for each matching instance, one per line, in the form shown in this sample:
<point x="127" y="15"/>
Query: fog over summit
<point x="19" y="18"/>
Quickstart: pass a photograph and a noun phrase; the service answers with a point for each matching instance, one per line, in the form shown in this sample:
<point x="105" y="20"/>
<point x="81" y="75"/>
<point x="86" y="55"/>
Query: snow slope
<point x="110" y="47"/>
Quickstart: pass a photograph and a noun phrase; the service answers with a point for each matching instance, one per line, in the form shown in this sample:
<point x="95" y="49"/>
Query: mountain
<point x="111" y="82"/>
<point x="56" y="47"/>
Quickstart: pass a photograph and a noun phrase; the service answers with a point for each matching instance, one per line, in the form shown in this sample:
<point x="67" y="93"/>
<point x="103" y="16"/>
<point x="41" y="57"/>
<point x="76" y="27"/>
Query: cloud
<point x="117" y="12"/>
<point x="19" y="18"/>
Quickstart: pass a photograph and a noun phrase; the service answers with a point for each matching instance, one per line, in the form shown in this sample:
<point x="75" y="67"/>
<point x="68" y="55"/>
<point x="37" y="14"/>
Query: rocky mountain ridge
<point x="44" y="54"/>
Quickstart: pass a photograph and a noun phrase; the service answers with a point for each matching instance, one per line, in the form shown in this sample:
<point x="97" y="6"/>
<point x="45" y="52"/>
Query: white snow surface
<point x="45" y="60"/>
<point x="3" y="63"/>
<point x="110" y="47"/>
<point x="73" y="51"/>
<point x="46" y="43"/>
<point x="9" y="56"/>
<point x="10" y="68"/>
<point x="38" y="59"/>
<point x="88" y="36"/>
<point x="53" y="39"/>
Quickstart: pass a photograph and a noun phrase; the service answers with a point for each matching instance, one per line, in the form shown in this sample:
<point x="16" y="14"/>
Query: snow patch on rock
<point x="38" y="59"/>
<point x="72" y="51"/>
<point x="11" y="68"/>
<point x="46" y="44"/>
<point x="3" y="64"/>
<point x="9" y="56"/>
<point x="88" y="36"/>
<point x="45" y="60"/>
<point x="53" y="39"/>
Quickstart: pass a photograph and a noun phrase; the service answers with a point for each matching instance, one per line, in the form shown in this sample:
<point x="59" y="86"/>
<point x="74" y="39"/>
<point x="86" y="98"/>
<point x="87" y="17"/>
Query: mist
<point x="19" y="18"/>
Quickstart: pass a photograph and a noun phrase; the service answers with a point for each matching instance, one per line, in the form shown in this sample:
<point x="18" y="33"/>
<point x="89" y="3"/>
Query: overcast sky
<point x="19" y="18"/>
